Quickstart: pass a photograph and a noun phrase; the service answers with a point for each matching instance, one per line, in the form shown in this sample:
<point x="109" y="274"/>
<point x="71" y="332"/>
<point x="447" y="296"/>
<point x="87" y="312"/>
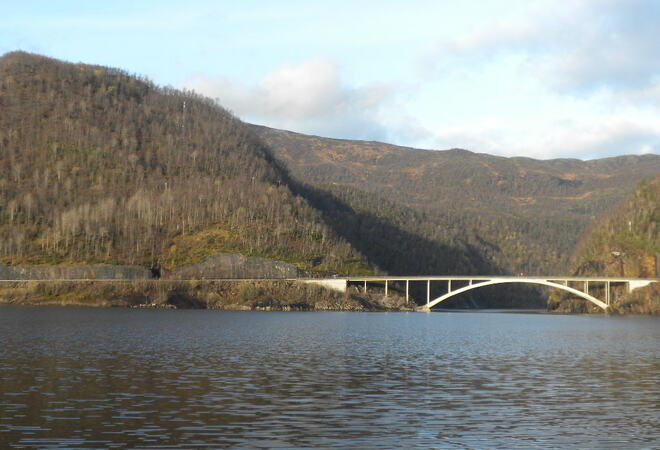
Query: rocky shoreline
<point x="642" y="301"/>
<point x="281" y="295"/>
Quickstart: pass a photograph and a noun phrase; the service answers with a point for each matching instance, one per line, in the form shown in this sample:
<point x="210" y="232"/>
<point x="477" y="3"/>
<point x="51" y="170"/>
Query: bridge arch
<point x="494" y="281"/>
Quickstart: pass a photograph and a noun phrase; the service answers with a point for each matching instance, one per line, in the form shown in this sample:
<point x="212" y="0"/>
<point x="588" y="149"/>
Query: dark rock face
<point x="230" y="265"/>
<point x="220" y="265"/>
<point x="74" y="273"/>
<point x="8" y="273"/>
<point x="184" y="301"/>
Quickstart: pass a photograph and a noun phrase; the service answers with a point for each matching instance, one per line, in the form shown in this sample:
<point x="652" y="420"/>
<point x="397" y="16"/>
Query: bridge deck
<point x="355" y="279"/>
<point x="491" y="277"/>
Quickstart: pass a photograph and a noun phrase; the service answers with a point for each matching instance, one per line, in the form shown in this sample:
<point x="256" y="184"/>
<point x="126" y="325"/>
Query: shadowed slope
<point x="525" y="215"/>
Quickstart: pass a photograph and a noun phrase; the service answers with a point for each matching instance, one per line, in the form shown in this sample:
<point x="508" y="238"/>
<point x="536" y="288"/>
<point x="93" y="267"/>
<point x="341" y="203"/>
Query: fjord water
<point x="119" y="378"/>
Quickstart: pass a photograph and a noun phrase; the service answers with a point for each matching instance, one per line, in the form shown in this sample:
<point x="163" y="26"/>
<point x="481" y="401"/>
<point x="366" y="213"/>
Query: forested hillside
<point x="520" y="214"/>
<point x="625" y="242"/>
<point x="101" y="167"/>
<point x="97" y="166"/>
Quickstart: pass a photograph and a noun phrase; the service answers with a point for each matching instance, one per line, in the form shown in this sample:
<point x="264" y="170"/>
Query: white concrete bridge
<point x="597" y="290"/>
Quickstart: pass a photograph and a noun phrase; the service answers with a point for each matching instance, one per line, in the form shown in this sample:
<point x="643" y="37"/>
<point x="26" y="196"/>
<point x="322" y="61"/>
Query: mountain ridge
<point x="458" y="150"/>
<point x="101" y="167"/>
<point x="511" y="203"/>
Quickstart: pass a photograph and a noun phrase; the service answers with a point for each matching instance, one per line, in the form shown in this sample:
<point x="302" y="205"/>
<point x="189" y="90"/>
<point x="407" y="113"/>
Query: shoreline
<point x="294" y="310"/>
<point x="242" y="295"/>
<point x="277" y="295"/>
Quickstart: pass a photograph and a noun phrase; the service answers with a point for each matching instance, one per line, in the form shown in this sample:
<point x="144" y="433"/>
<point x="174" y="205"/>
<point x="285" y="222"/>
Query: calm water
<point x="117" y="378"/>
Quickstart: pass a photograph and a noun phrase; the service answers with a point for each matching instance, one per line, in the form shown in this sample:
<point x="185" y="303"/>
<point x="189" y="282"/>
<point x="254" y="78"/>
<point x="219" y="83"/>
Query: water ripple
<point x="82" y="378"/>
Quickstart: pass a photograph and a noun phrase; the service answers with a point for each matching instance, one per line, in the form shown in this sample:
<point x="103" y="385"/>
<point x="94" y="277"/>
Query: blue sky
<point x="543" y="79"/>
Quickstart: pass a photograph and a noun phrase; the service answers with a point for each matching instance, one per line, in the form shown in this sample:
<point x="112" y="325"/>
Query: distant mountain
<point x="520" y="214"/>
<point x="98" y="166"/>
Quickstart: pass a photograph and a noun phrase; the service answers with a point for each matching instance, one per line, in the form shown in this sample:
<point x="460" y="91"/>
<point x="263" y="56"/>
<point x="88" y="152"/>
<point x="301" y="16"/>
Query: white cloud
<point x="613" y="45"/>
<point x="568" y="138"/>
<point x="580" y="79"/>
<point x="647" y="94"/>
<point x="311" y="98"/>
<point x="584" y="46"/>
<point x="594" y="68"/>
<point x="478" y="46"/>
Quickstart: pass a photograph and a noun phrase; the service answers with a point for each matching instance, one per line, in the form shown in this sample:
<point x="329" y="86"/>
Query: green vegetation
<point x="625" y="242"/>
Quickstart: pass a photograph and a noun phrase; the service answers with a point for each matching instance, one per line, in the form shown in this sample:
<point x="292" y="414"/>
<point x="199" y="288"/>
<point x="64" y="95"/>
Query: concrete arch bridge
<point x="597" y="290"/>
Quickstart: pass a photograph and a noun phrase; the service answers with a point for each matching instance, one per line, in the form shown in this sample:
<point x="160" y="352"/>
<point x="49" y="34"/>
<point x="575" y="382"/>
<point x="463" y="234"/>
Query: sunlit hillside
<point x="98" y="166"/>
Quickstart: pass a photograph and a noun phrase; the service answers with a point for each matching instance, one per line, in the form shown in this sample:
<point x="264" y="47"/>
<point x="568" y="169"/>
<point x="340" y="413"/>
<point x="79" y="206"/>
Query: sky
<point x="535" y="78"/>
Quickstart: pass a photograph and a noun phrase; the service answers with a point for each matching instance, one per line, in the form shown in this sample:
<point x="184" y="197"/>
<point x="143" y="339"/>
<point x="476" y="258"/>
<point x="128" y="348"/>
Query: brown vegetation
<point x="101" y="167"/>
<point x="520" y="214"/>
<point x="98" y="166"/>
<point x="241" y="295"/>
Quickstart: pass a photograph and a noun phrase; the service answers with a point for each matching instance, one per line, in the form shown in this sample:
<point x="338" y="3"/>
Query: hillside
<point x="101" y="167"/>
<point x="624" y="242"/>
<point x="520" y="214"/>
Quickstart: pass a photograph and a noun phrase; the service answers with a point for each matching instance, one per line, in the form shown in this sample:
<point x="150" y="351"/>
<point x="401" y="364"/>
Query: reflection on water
<point x="187" y="379"/>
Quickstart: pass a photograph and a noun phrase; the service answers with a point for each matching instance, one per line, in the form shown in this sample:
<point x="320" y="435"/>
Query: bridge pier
<point x="428" y="293"/>
<point x="607" y="293"/>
